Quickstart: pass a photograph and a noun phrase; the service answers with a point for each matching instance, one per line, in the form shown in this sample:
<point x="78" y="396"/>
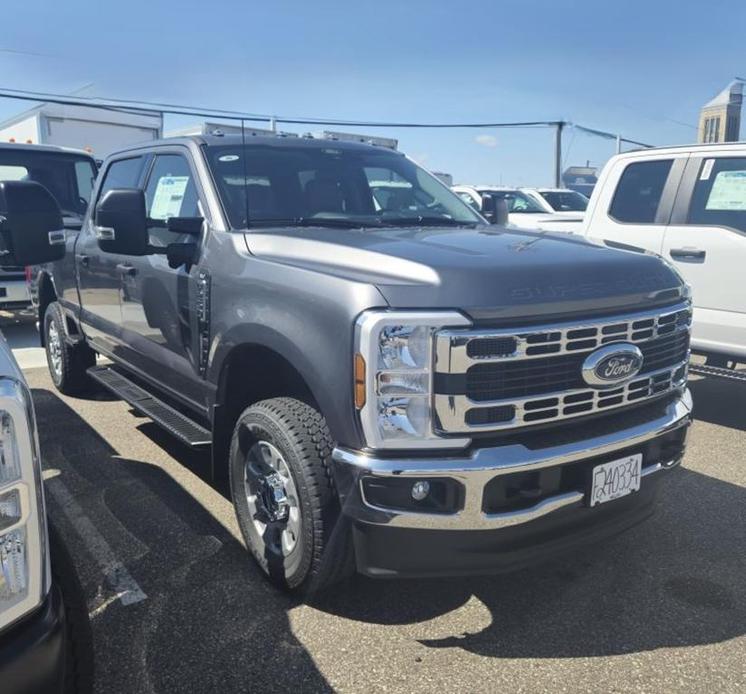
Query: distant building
<point x="444" y="177"/>
<point x="580" y="178"/>
<point x="720" y="119"/>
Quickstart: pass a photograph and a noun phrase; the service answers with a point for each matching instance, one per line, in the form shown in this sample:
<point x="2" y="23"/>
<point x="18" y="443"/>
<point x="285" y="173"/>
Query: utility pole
<point x="558" y="154"/>
<point x="618" y="144"/>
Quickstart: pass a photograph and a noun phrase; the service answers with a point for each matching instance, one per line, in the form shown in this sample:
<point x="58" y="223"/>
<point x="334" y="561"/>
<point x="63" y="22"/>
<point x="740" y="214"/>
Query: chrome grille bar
<point x="460" y="414"/>
<point x="455" y="353"/>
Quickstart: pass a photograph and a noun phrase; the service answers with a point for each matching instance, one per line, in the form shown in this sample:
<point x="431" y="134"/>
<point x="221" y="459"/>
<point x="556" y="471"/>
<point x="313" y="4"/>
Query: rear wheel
<point x="67" y="362"/>
<point x="284" y="497"/>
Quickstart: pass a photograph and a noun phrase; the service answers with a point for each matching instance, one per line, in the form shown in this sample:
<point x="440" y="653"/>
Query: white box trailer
<point x="95" y="130"/>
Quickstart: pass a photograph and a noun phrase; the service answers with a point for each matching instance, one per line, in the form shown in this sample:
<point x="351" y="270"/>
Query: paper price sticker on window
<point x="728" y="191"/>
<point x="169" y="196"/>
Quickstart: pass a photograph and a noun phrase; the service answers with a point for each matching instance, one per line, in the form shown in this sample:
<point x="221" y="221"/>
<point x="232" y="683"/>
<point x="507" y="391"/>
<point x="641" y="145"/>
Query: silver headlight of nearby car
<point x="24" y="556"/>
<point x="393" y="377"/>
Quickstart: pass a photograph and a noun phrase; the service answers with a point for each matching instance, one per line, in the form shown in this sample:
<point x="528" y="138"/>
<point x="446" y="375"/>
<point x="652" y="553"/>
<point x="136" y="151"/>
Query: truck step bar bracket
<point x="175" y="422"/>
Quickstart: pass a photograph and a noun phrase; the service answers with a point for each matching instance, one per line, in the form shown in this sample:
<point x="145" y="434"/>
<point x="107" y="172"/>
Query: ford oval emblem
<point x="612" y="365"/>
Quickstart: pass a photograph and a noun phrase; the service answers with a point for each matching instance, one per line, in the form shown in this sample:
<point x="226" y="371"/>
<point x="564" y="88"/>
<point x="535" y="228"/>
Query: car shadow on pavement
<point x="719" y="401"/>
<point x="675" y="580"/>
<point x="210" y="622"/>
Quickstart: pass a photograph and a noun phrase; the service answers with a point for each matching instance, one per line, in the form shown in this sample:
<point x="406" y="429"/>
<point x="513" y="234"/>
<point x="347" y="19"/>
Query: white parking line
<point x="118" y="578"/>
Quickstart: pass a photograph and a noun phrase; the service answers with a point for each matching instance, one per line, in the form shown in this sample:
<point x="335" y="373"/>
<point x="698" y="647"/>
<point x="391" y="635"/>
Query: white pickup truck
<point x="687" y="204"/>
<point x="524" y="210"/>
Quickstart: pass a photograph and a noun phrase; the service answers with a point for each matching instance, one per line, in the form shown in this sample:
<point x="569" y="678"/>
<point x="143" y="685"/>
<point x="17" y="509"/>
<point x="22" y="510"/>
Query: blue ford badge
<point x="612" y="365"/>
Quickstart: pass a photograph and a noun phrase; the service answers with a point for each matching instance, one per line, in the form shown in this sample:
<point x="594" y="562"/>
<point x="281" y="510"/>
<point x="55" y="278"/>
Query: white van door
<point x="706" y="240"/>
<point x="632" y="201"/>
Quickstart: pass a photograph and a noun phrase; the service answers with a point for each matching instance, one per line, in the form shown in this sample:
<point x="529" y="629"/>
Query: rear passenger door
<point x="706" y="240"/>
<point x="635" y="201"/>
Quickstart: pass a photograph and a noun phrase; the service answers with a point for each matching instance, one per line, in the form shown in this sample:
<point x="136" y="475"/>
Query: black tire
<point x="78" y="634"/>
<point x="322" y="553"/>
<point x="67" y="367"/>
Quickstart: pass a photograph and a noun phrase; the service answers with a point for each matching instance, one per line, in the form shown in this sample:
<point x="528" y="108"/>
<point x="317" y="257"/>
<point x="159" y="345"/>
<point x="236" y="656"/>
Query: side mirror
<point x="495" y="210"/>
<point x="121" y="225"/>
<point x="31" y="230"/>
<point x="501" y="211"/>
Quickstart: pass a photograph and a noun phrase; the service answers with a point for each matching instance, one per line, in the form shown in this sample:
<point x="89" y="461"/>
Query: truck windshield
<point x="68" y="177"/>
<point x="340" y="186"/>
<point x="565" y="200"/>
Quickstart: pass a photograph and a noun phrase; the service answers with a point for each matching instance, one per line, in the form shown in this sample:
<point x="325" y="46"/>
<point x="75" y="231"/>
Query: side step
<point x="141" y="400"/>
<point x="717" y="372"/>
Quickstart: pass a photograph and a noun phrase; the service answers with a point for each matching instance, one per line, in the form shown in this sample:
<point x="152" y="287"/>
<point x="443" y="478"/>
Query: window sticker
<point x="169" y="194"/>
<point x="707" y="170"/>
<point x="728" y="191"/>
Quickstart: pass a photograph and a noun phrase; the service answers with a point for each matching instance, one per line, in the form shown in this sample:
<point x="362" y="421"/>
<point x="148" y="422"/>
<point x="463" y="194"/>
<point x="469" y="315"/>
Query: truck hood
<point x="491" y="273"/>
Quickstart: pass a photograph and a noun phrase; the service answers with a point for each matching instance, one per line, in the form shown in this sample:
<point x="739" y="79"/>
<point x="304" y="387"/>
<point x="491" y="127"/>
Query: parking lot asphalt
<point x="178" y="606"/>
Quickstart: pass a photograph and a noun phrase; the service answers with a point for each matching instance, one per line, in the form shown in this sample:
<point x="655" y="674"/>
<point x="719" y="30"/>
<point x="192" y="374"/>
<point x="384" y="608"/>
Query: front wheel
<point x="284" y="496"/>
<point x="68" y="363"/>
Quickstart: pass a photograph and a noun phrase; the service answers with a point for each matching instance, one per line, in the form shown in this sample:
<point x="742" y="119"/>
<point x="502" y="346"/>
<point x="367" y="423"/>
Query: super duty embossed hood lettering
<point x="488" y="272"/>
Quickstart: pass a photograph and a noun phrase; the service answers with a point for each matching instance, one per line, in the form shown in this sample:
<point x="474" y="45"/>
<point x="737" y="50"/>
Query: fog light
<point x="420" y="490"/>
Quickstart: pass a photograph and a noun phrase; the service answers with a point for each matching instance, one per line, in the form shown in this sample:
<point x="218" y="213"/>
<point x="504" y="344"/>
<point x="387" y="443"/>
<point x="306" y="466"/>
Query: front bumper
<point x="32" y="652"/>
<point x="475" y="538"/>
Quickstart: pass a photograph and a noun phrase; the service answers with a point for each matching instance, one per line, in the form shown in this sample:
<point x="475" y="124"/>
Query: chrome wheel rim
<point x="54" y="349"/>
<point x="272" y="498"/>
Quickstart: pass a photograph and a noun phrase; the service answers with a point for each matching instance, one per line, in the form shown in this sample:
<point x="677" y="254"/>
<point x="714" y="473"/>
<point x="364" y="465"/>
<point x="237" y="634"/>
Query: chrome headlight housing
<point x="393" y="371"/>
<point x="24" y="554"/>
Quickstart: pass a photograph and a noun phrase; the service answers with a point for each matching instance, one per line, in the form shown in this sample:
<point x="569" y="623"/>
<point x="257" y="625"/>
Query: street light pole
<point x="559" y="125"/>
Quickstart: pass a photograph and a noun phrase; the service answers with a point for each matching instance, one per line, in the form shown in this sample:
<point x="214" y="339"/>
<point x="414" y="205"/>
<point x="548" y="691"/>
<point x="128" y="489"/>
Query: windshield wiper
<point x="426" y="221"/>
<point x="330" y="222"/>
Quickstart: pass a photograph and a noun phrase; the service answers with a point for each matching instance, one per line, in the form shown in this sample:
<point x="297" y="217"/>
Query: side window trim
<point x="670" y="190"/>
<point x="680" y="210"/>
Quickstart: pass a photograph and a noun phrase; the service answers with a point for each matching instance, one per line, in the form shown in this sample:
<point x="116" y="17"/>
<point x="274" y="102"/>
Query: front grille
<point x="485" y="385"/>
<point x="535" y="376"/>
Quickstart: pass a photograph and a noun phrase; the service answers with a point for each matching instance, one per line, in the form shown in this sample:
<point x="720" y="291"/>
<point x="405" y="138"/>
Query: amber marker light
<point x="359" y="381"/>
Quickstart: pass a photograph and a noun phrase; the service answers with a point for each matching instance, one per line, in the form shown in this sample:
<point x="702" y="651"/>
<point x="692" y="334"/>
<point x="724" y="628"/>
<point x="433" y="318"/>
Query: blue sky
<point x="639" y="68"/>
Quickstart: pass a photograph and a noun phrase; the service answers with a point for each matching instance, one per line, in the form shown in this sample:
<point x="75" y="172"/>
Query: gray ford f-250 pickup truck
<point x="388" y="382"/>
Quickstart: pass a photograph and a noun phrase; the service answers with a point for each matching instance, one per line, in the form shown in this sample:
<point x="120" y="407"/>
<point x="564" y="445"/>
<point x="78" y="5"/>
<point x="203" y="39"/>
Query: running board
<point x="173" y="421"/>
<point x="717" y="372"/>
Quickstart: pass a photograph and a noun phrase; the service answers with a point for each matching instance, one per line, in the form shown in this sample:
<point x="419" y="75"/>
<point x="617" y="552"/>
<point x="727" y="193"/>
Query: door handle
<point x="83" y="259"/>
<point x="688" y="254"/>
<point x="127" y="269"/>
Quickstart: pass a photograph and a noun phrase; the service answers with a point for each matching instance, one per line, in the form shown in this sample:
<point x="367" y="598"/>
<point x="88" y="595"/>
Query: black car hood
<point x="489" y="272"/>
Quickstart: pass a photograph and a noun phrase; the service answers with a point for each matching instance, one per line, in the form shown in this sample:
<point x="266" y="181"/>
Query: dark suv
<point x="388" y="382"/>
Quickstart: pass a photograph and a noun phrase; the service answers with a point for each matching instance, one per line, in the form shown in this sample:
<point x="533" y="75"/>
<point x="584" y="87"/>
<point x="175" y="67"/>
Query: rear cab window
<point x="719" y="195"/>
<point x="639" y="191"/>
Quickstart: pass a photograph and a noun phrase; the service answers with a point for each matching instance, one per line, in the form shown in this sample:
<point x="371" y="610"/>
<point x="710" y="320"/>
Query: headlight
<point x="393" y="370"/>
<point x="24" y="571"/>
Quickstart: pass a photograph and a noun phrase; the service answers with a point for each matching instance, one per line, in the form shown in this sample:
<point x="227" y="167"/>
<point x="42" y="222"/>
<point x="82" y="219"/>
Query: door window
<point x="639" y="192"/>
<point x="719" y="197"/>
<point x="171" y="192"/>
<point x="124" y="173"/>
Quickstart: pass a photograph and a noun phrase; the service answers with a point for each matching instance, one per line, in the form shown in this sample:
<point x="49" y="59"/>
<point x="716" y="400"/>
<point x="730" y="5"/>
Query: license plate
<point x="615" y="479"/>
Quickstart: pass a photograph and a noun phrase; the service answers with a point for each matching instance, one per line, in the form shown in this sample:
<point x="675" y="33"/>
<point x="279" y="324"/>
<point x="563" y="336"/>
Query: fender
<point x="328" y="380"/>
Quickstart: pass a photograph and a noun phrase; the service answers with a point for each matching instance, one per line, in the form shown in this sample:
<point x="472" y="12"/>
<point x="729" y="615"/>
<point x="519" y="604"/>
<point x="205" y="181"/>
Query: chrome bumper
<point x="484" y="464"/>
